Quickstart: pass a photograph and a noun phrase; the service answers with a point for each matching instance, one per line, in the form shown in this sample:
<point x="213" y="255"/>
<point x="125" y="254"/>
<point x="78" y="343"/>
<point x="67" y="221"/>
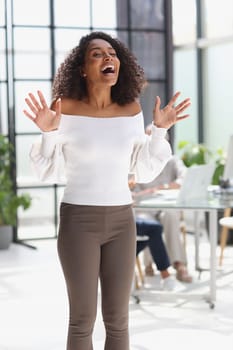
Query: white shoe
<point x="168" y="283"/>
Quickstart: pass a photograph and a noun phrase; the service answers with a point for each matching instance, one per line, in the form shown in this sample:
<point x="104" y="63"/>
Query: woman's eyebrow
<point x="100" y="48"/>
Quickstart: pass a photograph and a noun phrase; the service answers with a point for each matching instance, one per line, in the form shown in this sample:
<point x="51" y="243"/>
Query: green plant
<point x="220" y="160"/>
<point x="201" y="154"/>
<point x="9" y="200"/>
<point x="194" y="153"/>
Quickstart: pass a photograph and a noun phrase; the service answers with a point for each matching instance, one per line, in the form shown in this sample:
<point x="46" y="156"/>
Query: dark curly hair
<point x="69" y="82"/>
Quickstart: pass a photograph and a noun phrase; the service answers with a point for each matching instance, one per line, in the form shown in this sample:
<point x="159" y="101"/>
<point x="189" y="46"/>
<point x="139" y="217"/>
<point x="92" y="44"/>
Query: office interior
<point x="183" y="45"/>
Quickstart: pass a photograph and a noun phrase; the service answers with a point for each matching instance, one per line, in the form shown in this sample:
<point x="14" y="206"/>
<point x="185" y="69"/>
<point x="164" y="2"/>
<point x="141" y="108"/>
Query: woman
<point x="95" y="124"/>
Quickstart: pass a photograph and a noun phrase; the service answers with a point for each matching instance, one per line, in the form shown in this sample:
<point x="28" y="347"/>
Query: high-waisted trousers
<point x="97" y="243"/>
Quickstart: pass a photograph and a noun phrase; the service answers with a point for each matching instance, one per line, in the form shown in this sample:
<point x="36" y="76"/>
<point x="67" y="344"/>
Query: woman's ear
<point x="82" y="73"/>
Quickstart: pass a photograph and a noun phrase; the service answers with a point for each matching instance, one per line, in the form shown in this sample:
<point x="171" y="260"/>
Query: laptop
<point x="194" y="187"/>
<point x="196" y="182"/>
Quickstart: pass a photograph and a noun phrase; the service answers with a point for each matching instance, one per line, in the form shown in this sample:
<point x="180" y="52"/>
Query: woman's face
<point x="101" y="63"/>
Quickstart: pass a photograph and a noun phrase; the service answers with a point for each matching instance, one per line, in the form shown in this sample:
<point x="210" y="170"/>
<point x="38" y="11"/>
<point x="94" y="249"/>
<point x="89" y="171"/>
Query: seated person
<point x="153" y="230"/>
<point x="170" y="178"/>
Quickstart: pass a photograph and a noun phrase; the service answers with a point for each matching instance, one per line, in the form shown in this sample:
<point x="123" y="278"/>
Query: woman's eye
<point x="97" y="54"/>
<point x="100" y="54"/>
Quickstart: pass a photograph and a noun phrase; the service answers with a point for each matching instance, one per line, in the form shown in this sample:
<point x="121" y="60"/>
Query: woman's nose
<point x="107" y="56"/>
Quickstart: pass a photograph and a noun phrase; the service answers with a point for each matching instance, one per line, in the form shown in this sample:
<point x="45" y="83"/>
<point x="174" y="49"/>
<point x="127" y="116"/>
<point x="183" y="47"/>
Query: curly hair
<point x="69" y="82"/>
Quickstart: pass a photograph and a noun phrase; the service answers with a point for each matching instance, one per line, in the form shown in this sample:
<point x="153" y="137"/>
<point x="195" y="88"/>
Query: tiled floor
<point x="33" y="306"/>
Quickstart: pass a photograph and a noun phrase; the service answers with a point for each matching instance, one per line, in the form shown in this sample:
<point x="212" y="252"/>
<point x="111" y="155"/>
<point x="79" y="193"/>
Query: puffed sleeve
<point x="150" y="155"/>
<point x="47" y="158"/>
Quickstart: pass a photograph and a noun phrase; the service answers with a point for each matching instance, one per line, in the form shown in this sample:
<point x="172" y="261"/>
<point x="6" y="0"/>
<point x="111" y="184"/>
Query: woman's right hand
<point x="45" y="118"/>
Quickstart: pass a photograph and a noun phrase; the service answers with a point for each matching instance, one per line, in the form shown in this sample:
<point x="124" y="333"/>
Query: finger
<point x="34" y="100"/>
<point x="157" y="103"/>
<point x="181" y="110"/>
<point x="42" y="99"/>
<point x="182" y="117"/>
<point x="181" y="104"/>
<point x="29" y="115"/>
<point x="31" y="106"/>
<point x="173" y="99"/>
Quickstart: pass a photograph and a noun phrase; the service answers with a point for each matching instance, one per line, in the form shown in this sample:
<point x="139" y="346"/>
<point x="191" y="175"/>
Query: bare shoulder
<point x="75" y="107"/>
<point x="70" y="106"/>
<point x="132" y="108"/>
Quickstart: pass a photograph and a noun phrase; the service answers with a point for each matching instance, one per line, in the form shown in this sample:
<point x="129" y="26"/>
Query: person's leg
<point x="147" y="257"/>
<point x="171" y="228"/>
<point x="118" y="254"/>
<point x="153" y="229"/>
<point x="141" y="245"/>
<point x="79" y="251"/>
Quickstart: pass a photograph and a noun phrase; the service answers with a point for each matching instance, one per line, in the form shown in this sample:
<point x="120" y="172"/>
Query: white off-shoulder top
<point x="95" y="155"/>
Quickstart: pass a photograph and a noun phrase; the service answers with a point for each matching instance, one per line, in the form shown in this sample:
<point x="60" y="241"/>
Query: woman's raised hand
<point x="45" y="118"/>
<point x="170" y="114"/>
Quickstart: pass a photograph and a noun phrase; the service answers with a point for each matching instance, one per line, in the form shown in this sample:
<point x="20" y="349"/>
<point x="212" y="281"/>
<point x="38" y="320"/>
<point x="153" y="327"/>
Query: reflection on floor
<point x="34" y="310"/>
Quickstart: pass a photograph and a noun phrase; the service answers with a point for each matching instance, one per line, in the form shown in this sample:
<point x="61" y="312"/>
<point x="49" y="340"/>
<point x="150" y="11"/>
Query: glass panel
<point x="35" y="39"/>
<point x="31" y="12"/>
<point x="148" y="99"/>
<point x="32" y="66"/>
<point x="22" y="123"/>
<point x="3" y="109"/>
<point x="107" y="7"/>
<point x="147" y="14"/>
<point x="112" y="32"/>
<point x="184" y="21"/>
<point x="217" y="95"/>
<point x="218" y="18"/>
<point x="2" y="55"/>
<point x="32" y="53"/>
<point x="124" y="37"/>
<point x="2" y="12"/>
<point x="65" y="40"/>
<point x="150" y="52"/>
<point x="38" y="220"/>
<point x="185" y="81"/>
<point x="122" y="13"/>
<point x="25" y="174"/>
<point x="74" y="14"/>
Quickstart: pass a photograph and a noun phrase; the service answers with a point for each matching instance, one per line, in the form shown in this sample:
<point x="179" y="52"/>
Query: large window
<point x="185" y="65"/>
<point x="203" y="51"/>
<point x="34" y="39"/>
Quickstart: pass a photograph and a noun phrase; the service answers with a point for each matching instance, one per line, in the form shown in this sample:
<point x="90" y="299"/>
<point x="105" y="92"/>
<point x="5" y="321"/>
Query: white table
<point x="211" y="205"/>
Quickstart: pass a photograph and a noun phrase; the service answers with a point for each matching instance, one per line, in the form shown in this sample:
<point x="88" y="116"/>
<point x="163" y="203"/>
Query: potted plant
<point x="9" y="200"/>
<point x="200" y="154"/>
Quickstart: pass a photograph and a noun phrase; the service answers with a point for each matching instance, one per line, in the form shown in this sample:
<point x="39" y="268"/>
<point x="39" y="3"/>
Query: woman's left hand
<point x="170" y="114"/>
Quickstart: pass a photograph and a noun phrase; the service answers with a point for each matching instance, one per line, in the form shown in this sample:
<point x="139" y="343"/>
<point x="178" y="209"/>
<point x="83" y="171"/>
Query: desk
<point x="211" y="205"/>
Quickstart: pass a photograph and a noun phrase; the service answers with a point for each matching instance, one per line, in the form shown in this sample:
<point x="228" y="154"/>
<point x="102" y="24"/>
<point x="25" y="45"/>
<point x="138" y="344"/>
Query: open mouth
<point x="108" y="70"/>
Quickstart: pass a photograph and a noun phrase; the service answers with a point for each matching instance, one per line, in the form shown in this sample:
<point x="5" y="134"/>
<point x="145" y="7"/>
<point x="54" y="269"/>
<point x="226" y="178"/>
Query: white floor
<point x="34" y="310"/>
